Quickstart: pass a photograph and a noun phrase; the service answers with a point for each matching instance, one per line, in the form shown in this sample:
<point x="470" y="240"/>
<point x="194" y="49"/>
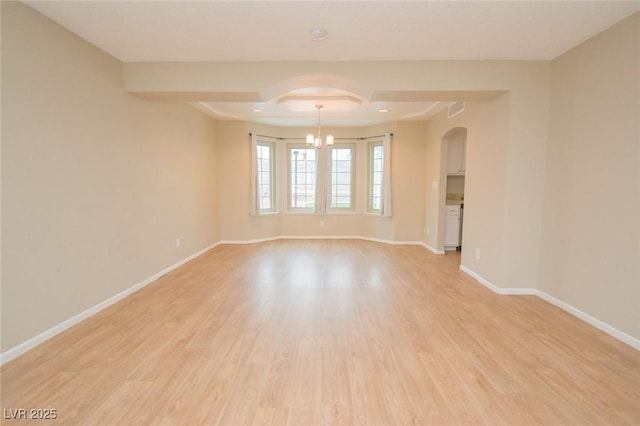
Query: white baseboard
<point x="595" y="322"/>
<point x="59" y="328"/>
<point x="600" y="325"/>
<point x="395" y="243"/>
<point x="323" y="237"/>
<point x="300" y="237"/>
<point x="48" y="334"/>
<point x="495" y="288"/>
<point x="335" y="237"/>
<point x="432" y="249"/>
<point x="259" y="240"/>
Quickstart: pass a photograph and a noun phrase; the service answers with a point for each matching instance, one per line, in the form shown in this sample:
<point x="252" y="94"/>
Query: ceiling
<point x="180" y="30"/>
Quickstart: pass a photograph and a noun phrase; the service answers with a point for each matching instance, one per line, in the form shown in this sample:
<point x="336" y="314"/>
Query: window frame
<point x="272" y="177"/>
<point x="370" y="177"/>
<point x="352" y="184"/>
<point x="303" y="147"/>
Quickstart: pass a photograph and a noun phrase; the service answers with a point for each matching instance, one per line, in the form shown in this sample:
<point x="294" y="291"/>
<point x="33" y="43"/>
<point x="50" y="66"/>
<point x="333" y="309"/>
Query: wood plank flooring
<point x="322" y="333"/>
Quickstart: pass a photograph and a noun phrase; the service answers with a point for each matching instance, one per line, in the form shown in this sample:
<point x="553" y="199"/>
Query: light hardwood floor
<point x="328" y="332"/>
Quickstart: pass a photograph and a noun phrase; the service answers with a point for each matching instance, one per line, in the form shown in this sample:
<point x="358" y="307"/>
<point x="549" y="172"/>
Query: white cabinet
<point x="452" y="227"/>
<point x="456" y="148"/>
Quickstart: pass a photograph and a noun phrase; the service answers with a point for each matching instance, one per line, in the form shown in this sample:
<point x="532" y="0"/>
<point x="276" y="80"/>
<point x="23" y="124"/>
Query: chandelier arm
<point x="317" y="140"/>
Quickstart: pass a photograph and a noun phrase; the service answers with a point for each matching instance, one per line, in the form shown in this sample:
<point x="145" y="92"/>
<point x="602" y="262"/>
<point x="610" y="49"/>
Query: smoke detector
<point x="318" y="34"/>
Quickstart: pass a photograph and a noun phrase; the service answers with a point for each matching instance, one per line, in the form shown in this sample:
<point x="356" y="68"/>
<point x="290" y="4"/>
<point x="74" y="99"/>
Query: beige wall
<point x="97" y="184"/>
<point x="504" y="186"/>
<point x="485" y="186"/>
<point x="409" y="181"/>
<point x="590" y="250"/>
<point x="528" y="123"/>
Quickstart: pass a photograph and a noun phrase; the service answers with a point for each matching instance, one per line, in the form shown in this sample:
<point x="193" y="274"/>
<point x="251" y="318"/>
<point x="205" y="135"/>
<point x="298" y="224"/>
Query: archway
<point x="451" y="201"/>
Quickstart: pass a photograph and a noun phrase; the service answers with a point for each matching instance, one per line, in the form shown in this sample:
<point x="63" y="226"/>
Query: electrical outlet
<point x="177" y="243"/>
<point x="428" y="230"/>
<point x="322" y="224"/>
<point x="477" y="254"/>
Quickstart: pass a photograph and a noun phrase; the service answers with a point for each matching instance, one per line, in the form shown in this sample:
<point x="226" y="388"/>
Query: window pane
<point x="265" y="177"/>
<point x="342" y="154"/>
<point x="377" y="179"/>
<point x="265" y="203"/>
<point x="302" y="178"/>
<point x="376" y="165"/>
<point x="341" y="178"/>
<point x="377" y="152"/>
<point x="376" y="204"/>
<point x="344" y="202"/>
<point x="343" y="166"/>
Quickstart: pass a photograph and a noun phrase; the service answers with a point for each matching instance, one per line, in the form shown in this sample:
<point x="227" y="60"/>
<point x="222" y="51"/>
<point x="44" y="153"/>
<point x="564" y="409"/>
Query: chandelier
<point x="316" y="140"/>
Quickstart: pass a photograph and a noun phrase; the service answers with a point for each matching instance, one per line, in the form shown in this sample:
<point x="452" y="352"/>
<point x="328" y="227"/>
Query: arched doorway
<point x="453" y="173"/>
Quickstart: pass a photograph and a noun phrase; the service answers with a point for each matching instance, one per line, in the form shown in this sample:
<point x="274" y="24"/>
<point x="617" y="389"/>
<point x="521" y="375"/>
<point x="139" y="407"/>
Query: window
<point x="342" y="178"/>
<point x="302" y="178"/>
<point x="376" y="165"/>
<point x="266" y="170"/>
